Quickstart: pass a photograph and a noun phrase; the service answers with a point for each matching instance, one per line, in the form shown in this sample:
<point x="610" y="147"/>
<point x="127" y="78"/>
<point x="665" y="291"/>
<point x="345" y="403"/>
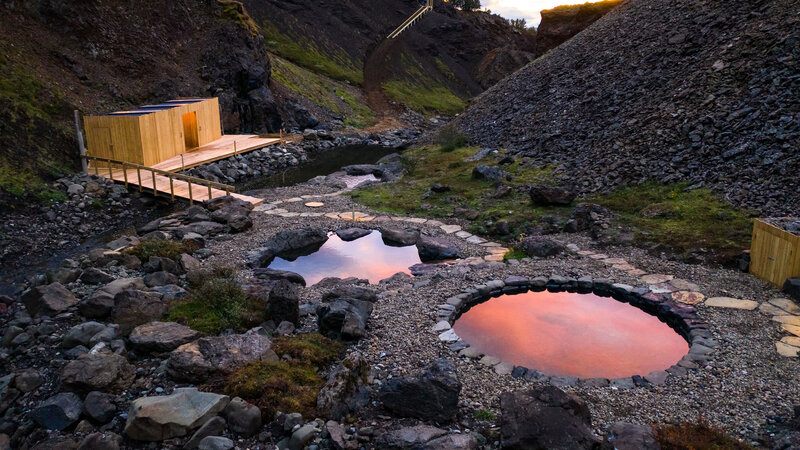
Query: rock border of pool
<point x="680" y="317"/>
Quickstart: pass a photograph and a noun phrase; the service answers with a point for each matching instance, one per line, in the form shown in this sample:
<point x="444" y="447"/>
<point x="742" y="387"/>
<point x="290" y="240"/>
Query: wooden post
<point x="234" y="148"/>
<point x="209" y="192"/>
<point x="221" y="123"/>
<point x="139" y="175"/>
<point x="125" y="174"/>
<point x="191" y="199"/>
<point x="281" y="135"/>
<point x="81" y="145"/>
<point x="110" y="172"/>
<point x="182" y="166"/>
<point x="171" y="189"/>
<point x="96" y="168"/>
<point x="227" y="191"/>
<point x="155" y="191"/>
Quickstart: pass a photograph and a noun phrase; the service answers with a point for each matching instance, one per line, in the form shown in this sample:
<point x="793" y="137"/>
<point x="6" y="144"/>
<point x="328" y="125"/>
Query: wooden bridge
<point x="414" y="17"/>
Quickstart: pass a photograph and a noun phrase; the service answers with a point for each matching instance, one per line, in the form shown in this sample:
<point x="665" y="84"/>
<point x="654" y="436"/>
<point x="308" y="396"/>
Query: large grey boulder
<point x="48" y="300"/>
<point x="344" y="318"/>
<point x="274" y="274"/>
<point x="161" y="336"/>
<point x="169" y="416"/>
<point x="436" y="249"/>
<point x="289" y="243"/>
<point x="81" y="334"/>
<point x="101" y="441"/>
<point x="629" y="436"/>
<point x="242" y="417"/>
<point x="59" y="411"/>
<point x="545" y="418"/>
<point x="134" y="308"/>
<point x="346" y="390"/>
<point x="490" y="173"/>
<point x="547" y="196"/>
<point x="426" y="437"/>
<point x="540" y="247"/>
<point x="209" y="356"/>
<point x="429" y="395"/>
<point x="351" y="291"/>
<point x="351" y="234"/>
<point x="98" y="371"/>
<point x="99" y="406"/>
<point x="399" y="237"/>
<point x="283" y="303"/>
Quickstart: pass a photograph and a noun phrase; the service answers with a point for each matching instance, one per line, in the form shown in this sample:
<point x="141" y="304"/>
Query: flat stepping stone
<point x="276" y="202"/>
<point x="794" y="329"/>
<point x="770" y="310"/>
<point x="471" y="352"/>
<point x="598" y="256"/>
<point x="315" y="204"/>
<point x="636" y="272"/>
<point x="733" y="303"/>
<point x="443" y="325"/>
<point x="448" y="336"/>
<point x="332" y="215"/>
<point x="290" y="214"/>
<point x="613" y="261"/>
<point x="786" y="350"/>
<point x="490" y="244"/>
<point x="794" y="341"/>
<point x="293" y="200"/>
<point x="656" y="278"/>
<point x="623" y="267"/>
<point x="434" y="223"/>
<point x="683" y="285"/>
<point x="586" y="253"/>
<point x="277" y="211"/>
<point x="463" y="234"/>
<point x="786" y="305"/>
<point x="490" y="361"/>
<point x="662" y="288"/>
<point x="476" y="240"/>
<point x="788" y="320"/>
<point x="450" y="229"/>
<point x="264" y="207"/>
<point x="495" y="257"/>
<point x="688" y="297"/>
<point x="416" y="220"/>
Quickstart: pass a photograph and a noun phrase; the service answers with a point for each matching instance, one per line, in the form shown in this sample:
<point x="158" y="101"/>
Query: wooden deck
<point x="220" y="149"/>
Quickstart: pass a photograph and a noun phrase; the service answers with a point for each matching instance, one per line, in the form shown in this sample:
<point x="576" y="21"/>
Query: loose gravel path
<point x="750" y="377"/>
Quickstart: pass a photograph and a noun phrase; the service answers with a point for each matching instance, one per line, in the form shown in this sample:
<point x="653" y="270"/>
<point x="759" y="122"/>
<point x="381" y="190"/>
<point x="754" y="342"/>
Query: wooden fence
<point x="774" y="253"/>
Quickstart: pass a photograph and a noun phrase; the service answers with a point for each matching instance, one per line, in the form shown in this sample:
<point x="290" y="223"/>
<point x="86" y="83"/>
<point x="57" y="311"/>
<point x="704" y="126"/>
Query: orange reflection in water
<point x="367" y="257"/>
<point x="564" y="333"/>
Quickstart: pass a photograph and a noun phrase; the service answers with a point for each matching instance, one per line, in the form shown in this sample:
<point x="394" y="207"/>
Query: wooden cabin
<point x="151" y="134"/>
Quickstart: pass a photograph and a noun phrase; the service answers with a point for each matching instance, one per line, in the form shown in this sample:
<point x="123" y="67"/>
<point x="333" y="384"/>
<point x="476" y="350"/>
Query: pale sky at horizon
<point x="527" y="9"/>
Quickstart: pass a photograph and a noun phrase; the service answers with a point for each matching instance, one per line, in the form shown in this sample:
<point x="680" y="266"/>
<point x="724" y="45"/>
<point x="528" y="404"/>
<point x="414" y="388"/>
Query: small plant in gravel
<point x="286" y="385"/>
<point x="163" y="248"/>
<point x="696" y="436"/>
<point x="483" y="414"/>
<point x="216" y="303"/>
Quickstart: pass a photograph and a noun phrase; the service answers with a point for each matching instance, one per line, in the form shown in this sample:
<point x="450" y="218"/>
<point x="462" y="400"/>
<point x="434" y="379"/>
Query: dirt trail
<point x="376" y="72"/>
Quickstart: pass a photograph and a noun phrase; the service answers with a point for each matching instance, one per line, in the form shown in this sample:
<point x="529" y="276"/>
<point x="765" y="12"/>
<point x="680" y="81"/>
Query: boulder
<point x="123" y="284"/>
<point x="274" y="274"/>
<point x="134" y="308"/>
<point x="27" y="380"/>
<point x="410" y="437"/>
<point x="81" y="334"/>
<point x="236" y="216"/>
<point x="587" y="216"/>
<point x="303" y="436"/>
<point x="59" y="411"/>
<point x="351" y="291"/>
<point x="346" y="391"/>
<point x="189" y="263"/>
<point x="227" y="201"/>
<point x="289" y="243"/>
<point x="490" y="173"/>
<point x="455" y="441"/>
<point x="216" y="355"/>
<point x="160" y="278"/>
<point x="48" y="300"/>
<point x="430" y="395"/>
<point x="161" y="336"/>
<point x="98" y="305"/>
<point x="169" y="416"/>
<point x="436" y="249"/>
<point x="629" y="436"/>
<point x="792" y="288"/>
<point x="397" y="237"/>
<point x="205" y="228"/>
<point x="98" y="371"/>
<point x="101" y="441"/>
<point x="548" y="196"/>
<point x="545" y="417"/>
<point x="169" y="292"/>
<point x="161" y="264"/>
<point x="99" y="406"/>
<point x="242" y="417"/>
<point x="63" y="275"/>
<point x="213" y="426"/>
<point x="215" y="443"/>
<point x="351" y="234"/>
<point x="344" y="318"/>
<point x="283" y="303"/>
<point x="540" y="247"/>
<point x="94" y="275"/>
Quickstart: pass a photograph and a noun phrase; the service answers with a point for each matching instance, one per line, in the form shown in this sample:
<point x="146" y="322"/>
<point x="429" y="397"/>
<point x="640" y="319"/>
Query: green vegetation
<point x="424" y="99"/>
<point x="514" y="253"/>
<point x="217" y="302"/>
<point x="483" y="414"/>
<point x="696" y="436"/>
<point x="681" y="219"/>
<point x="283" y="385"/>
<point x="322" y="92"/>
<point x="450" y="139"/>
<point x="305" y="53"/>
<point x="23" y="184"/>
<point x="428" y="165"/>
<point x="163" y="248"/>
<point x="235" y="12"/>
<point x="444" y="70"/>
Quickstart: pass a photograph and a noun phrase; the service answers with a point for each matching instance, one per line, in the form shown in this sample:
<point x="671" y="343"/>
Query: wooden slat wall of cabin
<point x="208" y="120"/>
<point x="775" y="254"/>
<point x="95" y="127"/>
<point x="124" y="137"/>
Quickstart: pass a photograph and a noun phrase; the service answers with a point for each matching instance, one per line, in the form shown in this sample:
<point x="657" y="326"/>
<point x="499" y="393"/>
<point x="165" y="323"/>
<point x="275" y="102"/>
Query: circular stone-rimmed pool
<point x="678" y="319"/>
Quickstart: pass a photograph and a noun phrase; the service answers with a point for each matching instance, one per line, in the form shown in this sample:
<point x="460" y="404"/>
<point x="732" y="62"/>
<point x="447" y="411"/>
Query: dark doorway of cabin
<point x="190" y="137"/>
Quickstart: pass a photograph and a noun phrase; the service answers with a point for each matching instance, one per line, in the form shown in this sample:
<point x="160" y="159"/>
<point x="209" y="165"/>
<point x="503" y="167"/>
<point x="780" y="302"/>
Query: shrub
<point x="163" y="248"/>
<point x="450" y="139"/>
<point x="695" y="436"/>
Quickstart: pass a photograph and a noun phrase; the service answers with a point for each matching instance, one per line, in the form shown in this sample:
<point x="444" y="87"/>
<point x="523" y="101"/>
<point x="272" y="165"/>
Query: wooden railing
<point x="410" y="21"/>
<point x="124" y="166"/>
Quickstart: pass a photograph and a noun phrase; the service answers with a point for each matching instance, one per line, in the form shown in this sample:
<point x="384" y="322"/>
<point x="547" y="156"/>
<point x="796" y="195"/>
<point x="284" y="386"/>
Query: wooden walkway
<point x="225" y="147"/>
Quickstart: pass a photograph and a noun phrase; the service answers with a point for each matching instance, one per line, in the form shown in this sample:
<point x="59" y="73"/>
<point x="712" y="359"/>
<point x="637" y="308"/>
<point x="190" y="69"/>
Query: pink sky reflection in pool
<point x="571" y="334"/>
<point x="367" y="257"/>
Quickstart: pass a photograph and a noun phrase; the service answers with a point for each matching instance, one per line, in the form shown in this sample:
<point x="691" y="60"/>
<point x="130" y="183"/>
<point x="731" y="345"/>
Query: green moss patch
<point x="164" y="248"/>
<point x="313" y="348"/>
<point x="696" y="436"/>
<point x="235" y="12"/>
<point x="425" y="99"/>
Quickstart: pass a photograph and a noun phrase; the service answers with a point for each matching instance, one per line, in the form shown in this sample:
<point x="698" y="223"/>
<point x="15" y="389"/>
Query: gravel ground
<point x="743" y="387"/>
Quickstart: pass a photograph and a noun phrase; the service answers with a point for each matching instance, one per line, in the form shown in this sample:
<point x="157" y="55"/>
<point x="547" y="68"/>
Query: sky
<point x="527" y="9"/>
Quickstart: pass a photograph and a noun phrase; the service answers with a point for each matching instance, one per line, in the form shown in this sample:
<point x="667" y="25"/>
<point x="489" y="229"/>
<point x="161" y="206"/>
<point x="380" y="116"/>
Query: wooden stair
<point x="410" y="21"/>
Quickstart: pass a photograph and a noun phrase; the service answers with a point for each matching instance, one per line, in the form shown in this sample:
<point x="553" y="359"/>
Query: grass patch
<point x="514" y="253"/>
<point x="425" y="99"/>
<point x="428" y="165"/>
<point x="217" y="303"/>
<point x="234" y="11"/>
<point x="24" y="185"/>
<point x="305" y="53"/>
<point x="449" y="139"/>
<point x="483" y="414"/>
<point x="696" y="436"/>
<point x="682" y="220"/>
<point x="288" y="386"/>
<point x="164" y="248"/>
<point x="362" y="116"/>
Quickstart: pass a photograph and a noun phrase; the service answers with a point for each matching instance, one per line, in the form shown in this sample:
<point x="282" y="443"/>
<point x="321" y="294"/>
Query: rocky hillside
<point x="562" y="22"/>
<point x="696" y="90"/>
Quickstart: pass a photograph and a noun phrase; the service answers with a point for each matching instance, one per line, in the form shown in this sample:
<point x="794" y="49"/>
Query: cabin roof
<point x="149" y="109"/>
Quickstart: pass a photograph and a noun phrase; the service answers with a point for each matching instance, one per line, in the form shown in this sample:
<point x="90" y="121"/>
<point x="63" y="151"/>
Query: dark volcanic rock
<point x="629" y="436"/>
<point x="101" y="371"/>
<point x="351" y="291"/>
<point x="99" y="406"/>
<point x="792" y="288"/>
<point x="545" y="418"/>
<point x="242" y="417"/>
<point x="283" y="303"/>
<point x="134" y="308"/>
<point x="161" y="336"/>
<point x="430" y="395"/>
<point x="274" y="274"/>
<point x="48" y="300"/>
<point x="540" y="246"/>
<point x="351" y="234"/>
<point x="588" y="216"/>
<point x="346" y="391"/>
<point x="344" y="318"/>
<point x="436" y="249"/>
<point x="491" y="173"/>
<point x="547" y="196"/>
<point x="399" y="237"/>
<point x="59" y="411"/>
<point x="289" y="244"/>
<point x="216" y="355"/>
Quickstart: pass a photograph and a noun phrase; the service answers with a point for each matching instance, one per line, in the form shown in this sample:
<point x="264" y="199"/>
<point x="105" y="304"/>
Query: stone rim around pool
<point x="683" y="319"/>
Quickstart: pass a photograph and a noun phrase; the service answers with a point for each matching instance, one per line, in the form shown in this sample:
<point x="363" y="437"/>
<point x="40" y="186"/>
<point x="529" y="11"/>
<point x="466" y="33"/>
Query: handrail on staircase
<point x="410" y="21"/>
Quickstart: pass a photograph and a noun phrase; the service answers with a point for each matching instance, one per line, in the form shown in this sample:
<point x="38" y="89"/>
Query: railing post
<point x="182" y="166"/>
<point x="171" y="189"/>
<point x="209" y="192"/>
<point x="110" y="171"/>
<point x="125" y="174"/>
<point x="81" y="145"/>
<point x="96" y="169"/>
<point x="191" y="199"/>
<point x="155" y="190"/>
<point x="139" y="175"/>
